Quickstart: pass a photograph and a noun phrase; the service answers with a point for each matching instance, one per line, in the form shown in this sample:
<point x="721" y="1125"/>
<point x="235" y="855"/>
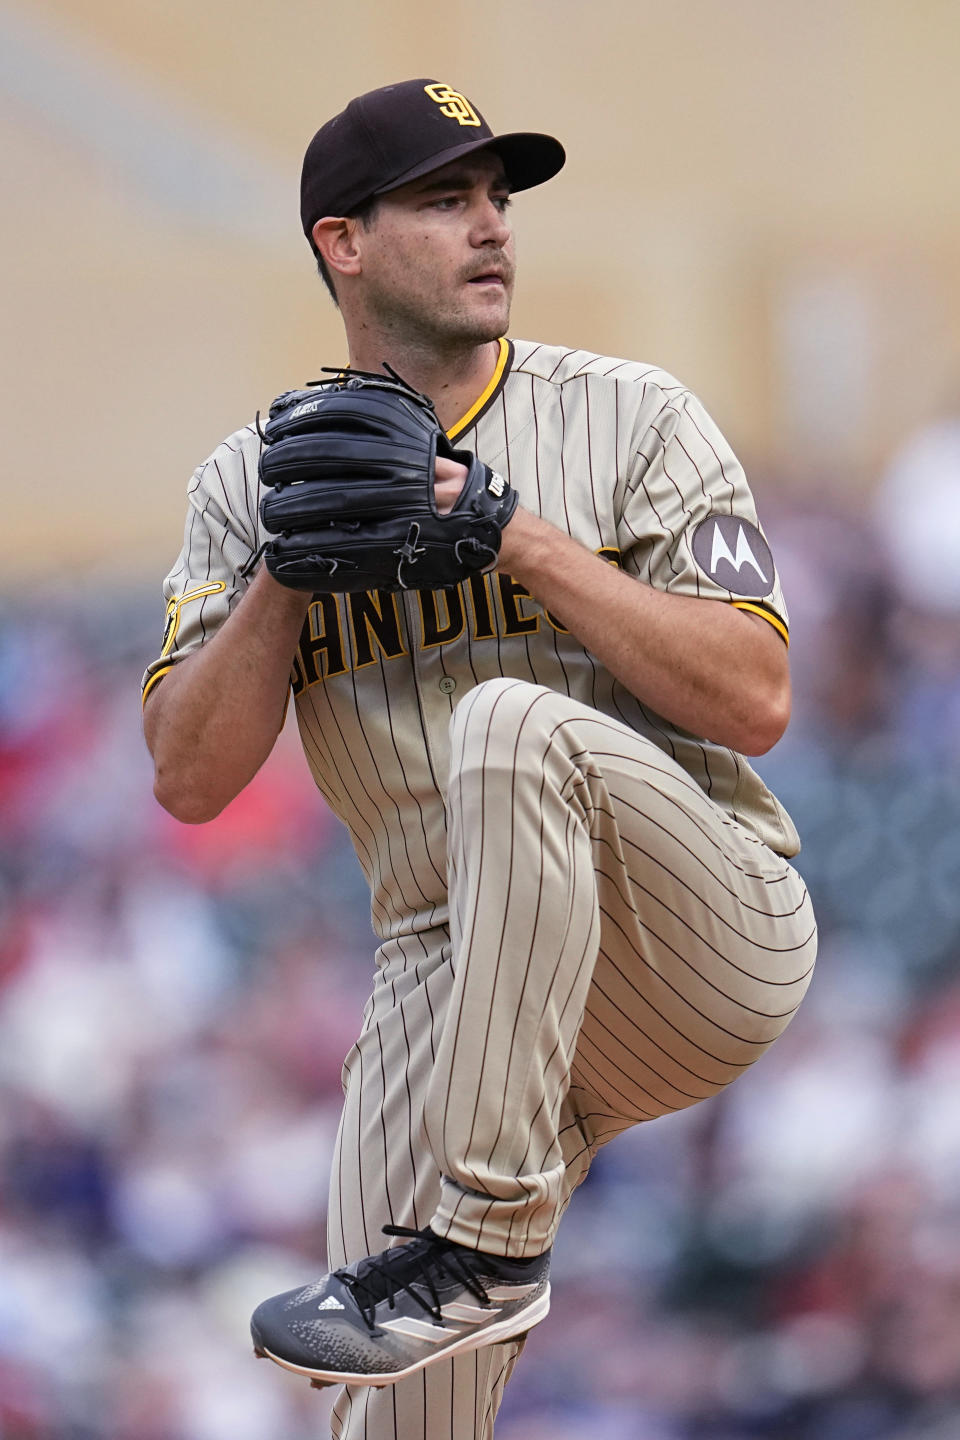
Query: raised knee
<point x="502" y="704"/>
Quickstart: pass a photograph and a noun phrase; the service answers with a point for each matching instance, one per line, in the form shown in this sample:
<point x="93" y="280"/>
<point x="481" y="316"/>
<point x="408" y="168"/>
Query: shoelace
<point x="416" y="1264"/>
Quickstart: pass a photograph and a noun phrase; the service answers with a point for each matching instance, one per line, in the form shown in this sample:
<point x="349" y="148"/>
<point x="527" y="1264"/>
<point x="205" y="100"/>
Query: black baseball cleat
<point x="386" y="1317"/>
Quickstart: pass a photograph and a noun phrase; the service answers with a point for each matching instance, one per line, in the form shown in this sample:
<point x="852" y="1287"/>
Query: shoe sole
<point x="510" y="1329"/>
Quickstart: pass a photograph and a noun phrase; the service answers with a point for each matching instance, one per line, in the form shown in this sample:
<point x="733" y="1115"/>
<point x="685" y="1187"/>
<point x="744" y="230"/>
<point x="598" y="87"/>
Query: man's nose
<point x="492" y="227"/>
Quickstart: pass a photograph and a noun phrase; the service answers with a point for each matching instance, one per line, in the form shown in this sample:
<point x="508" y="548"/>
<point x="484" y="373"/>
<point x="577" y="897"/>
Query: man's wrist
<point x="281" y="598"/>
<point x="525" y="538"/>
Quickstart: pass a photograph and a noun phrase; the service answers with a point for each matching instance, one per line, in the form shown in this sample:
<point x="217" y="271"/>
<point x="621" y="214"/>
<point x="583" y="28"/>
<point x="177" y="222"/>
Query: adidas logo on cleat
<point x="330" y="1304"/>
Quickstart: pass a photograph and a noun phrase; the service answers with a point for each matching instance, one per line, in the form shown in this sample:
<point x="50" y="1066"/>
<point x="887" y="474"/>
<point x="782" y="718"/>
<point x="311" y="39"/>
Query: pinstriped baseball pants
<point x="618" y="950"/>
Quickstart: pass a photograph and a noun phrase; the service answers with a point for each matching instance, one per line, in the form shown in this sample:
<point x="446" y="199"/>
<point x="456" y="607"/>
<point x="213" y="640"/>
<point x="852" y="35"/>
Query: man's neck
<point x="454" y="380"/>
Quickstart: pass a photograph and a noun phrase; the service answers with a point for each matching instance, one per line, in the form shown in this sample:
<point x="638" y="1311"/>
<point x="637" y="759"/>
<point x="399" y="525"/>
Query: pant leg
<point x="384" y="1173"/>
<point x="622" y="950"/>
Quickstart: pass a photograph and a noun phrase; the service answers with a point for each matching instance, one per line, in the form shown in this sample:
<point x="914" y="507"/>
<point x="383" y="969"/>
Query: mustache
<point x="498" y="264"/>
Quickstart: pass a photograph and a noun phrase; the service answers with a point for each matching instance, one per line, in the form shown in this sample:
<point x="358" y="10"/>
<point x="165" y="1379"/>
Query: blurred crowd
<point x="782" y="1262"/>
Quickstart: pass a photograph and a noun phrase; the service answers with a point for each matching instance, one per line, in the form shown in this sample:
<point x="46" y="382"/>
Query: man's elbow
<point x="180" y="785"/>
<point x="767" y="721"/>
<point x="186" y="800"/>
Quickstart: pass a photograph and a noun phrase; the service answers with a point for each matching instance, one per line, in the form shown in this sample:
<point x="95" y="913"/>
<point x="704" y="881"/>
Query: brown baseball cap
<point x="395" y="134"/>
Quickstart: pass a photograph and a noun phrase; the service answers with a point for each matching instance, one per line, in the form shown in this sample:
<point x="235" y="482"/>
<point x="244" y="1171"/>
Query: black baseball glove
<point x="348" y="468"/>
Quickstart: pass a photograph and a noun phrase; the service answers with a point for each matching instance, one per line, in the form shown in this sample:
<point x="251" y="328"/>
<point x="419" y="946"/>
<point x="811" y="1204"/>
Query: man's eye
<point x="502" y="202"/>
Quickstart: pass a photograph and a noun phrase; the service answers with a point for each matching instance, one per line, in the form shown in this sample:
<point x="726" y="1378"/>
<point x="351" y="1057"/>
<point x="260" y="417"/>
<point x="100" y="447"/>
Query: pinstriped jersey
<point x="619" y="455"/>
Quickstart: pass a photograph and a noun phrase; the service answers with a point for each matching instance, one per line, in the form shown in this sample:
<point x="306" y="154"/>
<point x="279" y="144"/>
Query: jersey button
<point x="448" y="684"/>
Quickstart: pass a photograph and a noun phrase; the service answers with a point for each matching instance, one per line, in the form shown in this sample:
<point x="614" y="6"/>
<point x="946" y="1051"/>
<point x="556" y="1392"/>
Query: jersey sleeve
<point x="688" y="523"/>
<point x="220" y="538"/>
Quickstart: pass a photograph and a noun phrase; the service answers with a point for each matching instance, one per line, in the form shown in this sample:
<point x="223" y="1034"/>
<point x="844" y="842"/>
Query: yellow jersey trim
<point x="487" y="394"/>
<point x="158" y="675"/>
<point x="767" y="615"/>
<point x="213" y="587"/>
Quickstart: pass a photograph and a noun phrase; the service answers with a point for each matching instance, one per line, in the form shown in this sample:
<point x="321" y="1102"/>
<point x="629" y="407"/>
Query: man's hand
<point x="348" y="470"/>
<point x="449" y="476"/>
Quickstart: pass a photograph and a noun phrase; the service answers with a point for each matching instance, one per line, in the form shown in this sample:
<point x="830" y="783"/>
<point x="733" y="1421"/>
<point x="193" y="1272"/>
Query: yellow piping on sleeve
<point x="773" y="620"/>
<point x="157" y="675"/>
<point x="213" y="587"/>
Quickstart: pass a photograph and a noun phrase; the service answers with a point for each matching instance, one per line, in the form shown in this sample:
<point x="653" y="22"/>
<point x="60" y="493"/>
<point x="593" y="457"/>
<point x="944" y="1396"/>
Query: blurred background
<point x="761" y="196"/>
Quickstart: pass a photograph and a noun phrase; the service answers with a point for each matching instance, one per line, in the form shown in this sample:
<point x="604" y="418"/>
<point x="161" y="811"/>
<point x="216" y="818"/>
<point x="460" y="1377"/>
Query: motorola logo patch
<point x="734" y="554"/>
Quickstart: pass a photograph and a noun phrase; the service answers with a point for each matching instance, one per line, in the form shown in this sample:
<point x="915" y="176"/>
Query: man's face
<point x="438" y="258"/>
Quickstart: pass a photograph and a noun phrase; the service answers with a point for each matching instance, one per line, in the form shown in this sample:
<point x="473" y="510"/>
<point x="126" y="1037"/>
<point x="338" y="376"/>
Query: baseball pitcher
<point x="532" y="627"/>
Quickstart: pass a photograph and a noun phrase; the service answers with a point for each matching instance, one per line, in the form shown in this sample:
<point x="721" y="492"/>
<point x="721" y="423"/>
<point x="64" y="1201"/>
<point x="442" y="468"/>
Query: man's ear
<point x="335" y="236"/>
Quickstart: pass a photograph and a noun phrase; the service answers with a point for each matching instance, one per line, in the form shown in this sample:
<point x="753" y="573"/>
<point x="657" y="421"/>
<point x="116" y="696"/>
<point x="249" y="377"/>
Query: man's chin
<point x="484" y="335"/>
<point x="462" y="325"/>
<point x="479" y="328"/>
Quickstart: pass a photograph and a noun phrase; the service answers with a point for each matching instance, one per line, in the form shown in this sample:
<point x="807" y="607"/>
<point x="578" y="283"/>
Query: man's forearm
<point x="213" y="720"/>
<point x="707" y="667"/>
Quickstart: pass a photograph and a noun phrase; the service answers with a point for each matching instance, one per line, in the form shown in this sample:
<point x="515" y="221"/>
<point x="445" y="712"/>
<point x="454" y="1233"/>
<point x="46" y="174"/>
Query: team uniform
<point x="586" y="916"/>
